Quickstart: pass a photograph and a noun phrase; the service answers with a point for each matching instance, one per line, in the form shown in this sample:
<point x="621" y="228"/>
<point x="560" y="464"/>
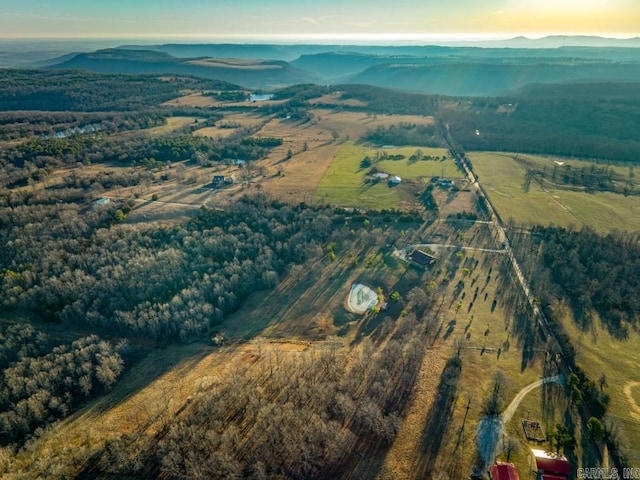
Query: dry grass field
<point x="201" y="100"/>
<point x="230" y="124"/>
<point x="452" y="202"/>
<point x="192" y="100"/>
<point x="335" y="99"/>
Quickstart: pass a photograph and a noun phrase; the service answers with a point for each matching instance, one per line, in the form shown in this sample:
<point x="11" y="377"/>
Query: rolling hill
<point x="458" y="70"/>
<point x="481" y="79"/>
<point x="249" y="73"/>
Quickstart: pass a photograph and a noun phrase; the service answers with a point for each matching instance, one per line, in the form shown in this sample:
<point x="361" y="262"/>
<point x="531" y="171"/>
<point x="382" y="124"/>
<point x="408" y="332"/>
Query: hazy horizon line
<point x="335" y="37"/>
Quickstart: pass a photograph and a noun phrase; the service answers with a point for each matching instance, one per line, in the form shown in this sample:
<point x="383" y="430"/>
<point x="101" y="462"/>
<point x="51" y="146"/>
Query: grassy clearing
<point x="343" y="182"/>
<point x="336" y="99"/>
<point x="235" y="120"/>
<point x="192" y="100"/>
<point x="173" y="123"/>
<point x="313" y="146"/>
<point x="503" y="180"/>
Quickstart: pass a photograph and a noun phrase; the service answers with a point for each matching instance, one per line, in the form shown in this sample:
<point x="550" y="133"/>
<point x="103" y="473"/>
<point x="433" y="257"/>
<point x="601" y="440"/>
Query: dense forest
<point x="405" y="134"/>
<point x="75" y="267"/>
<point x="594" y="121"/>
<point x="597" y="274"/>
<point x="159" y="281"/>
<point x="40" y="383"/>
<point x="76" y="91"/>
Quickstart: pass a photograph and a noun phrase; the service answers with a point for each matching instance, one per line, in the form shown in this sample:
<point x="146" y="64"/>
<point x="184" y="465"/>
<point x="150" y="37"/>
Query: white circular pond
<point x="361" y="298"/>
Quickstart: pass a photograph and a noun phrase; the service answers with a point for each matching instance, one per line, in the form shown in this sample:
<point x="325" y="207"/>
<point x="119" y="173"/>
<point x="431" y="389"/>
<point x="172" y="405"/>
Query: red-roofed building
<point x="503" y="471"/>
<point x="551" y="467"/>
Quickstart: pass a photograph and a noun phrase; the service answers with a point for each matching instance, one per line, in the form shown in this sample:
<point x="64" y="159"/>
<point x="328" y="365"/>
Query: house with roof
<point x="220" y="181"/>
<point x="421" y="259"/>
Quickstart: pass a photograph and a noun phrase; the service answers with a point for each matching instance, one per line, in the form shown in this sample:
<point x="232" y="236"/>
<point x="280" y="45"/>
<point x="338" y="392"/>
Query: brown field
<point x="300" y="174"/>
<point x="239" y="119"/>
<point x="192" y="100"/>
<point x="450" y="202"/>
<point x="355" y="124"/>
<point x="334" y="99"/>
<point x="200" y="100"/>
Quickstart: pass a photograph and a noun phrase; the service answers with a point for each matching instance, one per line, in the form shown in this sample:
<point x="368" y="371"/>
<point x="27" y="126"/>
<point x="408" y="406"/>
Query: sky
<point x="328" y="19"/>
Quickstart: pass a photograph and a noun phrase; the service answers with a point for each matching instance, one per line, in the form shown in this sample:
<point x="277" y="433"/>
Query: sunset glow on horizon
<point x="363" y="20"/>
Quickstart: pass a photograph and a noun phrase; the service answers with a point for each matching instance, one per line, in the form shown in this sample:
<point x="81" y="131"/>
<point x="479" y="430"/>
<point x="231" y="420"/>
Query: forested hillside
<point x="597" y="274"/>
<point x="161" y="282"/>
<point x="63" y="90"/>
<point x="596" y="121"/>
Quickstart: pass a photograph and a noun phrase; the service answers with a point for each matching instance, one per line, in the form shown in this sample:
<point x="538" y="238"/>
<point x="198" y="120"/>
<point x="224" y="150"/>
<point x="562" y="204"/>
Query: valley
<point x="174" y="282"/>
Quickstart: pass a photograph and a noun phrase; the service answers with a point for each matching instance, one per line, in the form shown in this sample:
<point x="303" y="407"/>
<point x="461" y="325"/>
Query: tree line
<point x="405" y="134"/>
<point x="25" y="124"/>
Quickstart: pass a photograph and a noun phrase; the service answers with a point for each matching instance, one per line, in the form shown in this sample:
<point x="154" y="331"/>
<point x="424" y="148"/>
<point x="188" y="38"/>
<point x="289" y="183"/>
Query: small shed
<point x="395" y="180"/>
<point x="217" y="180"/>
<point x="381" y="175"/>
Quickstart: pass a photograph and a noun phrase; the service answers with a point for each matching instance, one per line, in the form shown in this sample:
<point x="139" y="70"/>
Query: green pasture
<point x="343" y="182"/>
<point x="504" y="181"/>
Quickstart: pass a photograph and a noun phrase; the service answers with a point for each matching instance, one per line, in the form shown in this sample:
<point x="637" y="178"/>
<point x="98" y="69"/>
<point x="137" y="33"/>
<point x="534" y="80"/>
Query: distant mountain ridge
<point x="449" y="70"/>
<point x="254" y="74"/>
